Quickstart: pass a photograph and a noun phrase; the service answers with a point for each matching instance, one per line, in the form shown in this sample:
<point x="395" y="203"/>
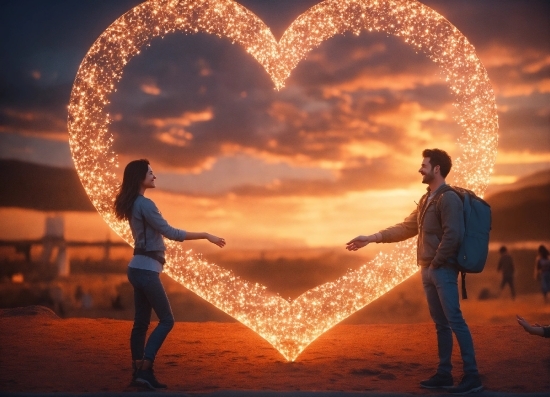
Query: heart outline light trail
<point x="289" y="326"/>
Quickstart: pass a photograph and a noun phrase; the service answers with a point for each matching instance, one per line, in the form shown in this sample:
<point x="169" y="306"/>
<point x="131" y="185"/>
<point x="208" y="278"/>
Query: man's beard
<point x="427" y="178"/>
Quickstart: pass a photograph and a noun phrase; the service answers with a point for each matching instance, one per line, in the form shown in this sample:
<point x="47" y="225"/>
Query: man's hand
<point x="360" y="242"/>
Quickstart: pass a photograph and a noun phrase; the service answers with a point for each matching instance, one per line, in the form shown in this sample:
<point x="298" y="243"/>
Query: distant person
<point x="437" y="250"/>
<point x="78" y="294"/>
<point x="148" y="226"/>
<point x="87" y="300"/>
<point x="542" y="271"/>
<point x="56" y="293"/>
<point x="535" y="329"/>
<point x="506" y="266"/>
<point x="116" y="303"/>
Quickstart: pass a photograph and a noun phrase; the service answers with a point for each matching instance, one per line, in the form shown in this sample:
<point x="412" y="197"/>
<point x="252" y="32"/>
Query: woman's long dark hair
<point x="134" y="173"/>
<point x="543" y="252"/>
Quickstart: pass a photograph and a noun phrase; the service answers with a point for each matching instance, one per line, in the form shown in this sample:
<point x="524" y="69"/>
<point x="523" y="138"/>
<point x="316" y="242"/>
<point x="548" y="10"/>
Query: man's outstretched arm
<point x="362" y="241"/>
<point x="402" y="231"/>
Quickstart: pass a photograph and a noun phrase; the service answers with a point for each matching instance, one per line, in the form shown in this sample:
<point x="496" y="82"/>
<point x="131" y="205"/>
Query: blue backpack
<point x="473" y="251"/>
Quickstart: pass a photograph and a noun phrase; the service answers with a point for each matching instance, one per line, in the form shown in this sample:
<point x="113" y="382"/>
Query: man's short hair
<point x="441" y="158"/>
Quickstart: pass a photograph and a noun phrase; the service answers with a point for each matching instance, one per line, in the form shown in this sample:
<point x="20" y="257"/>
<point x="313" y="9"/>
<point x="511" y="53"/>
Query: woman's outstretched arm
<point x="220" y="242"/>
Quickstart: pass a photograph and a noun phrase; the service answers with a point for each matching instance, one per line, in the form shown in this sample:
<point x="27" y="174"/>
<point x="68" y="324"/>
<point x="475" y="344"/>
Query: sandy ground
<point x="41" y="353"/>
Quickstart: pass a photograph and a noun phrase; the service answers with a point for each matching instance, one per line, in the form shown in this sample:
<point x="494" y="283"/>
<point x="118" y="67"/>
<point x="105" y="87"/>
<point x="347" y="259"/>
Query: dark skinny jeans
<point x="149" y="295"/>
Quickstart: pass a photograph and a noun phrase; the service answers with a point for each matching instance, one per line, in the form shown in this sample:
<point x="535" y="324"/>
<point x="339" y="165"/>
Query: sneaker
<point x="147" y="378"/>
<point x="469" y="384"/>
<point x="438" y="381"/>
<point x="134" y="373"/>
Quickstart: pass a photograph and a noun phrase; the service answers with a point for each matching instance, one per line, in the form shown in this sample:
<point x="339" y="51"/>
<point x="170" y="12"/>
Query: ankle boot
<point x="147" y="378"/>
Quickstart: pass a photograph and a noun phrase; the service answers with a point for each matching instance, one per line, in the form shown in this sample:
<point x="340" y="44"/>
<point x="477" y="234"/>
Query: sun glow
<point x="289" y="326"/>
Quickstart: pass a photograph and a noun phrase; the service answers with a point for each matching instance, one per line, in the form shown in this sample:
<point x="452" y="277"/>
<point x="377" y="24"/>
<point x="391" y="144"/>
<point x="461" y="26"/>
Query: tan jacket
<point x="438" y="242"/>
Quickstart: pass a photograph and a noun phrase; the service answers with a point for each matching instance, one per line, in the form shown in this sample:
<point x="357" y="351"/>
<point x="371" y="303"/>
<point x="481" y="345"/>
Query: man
<point x="439" y="224"/>
<point x="506" y="266"/>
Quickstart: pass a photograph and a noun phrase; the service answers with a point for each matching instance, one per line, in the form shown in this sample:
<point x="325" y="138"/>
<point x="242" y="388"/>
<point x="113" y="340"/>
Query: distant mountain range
<point x="42" y="188"/>
<point x="520" y="213"/>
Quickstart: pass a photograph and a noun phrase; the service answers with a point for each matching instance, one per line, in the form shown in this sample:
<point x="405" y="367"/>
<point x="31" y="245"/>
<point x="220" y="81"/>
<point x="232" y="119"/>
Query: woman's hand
<point x="220" y="242"/>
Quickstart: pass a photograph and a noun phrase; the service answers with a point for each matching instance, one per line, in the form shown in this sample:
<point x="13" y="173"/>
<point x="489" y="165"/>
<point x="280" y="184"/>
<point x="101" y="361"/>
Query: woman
<point x="542" y="270"/>
<point x="148" y="226"/>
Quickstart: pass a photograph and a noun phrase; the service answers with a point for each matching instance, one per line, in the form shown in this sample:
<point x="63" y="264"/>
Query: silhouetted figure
<point x="116" y="303"/>
<point x="87" y="300"/>
<point x="56" y="293"/>
<point x="542" y="270"/>
<point x="506" y="266"/>
<point x="78" y="294"/>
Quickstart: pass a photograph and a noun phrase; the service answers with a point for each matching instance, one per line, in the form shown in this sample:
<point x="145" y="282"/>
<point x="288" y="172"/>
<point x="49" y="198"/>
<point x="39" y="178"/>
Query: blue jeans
<point x="545" y="283"/>
<point x="149" y="295"/>
<point x="441" y="288"/>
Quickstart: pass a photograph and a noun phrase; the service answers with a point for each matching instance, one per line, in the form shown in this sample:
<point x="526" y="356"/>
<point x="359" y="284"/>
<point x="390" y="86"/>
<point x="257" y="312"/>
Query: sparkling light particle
<point x="289" y="326"/>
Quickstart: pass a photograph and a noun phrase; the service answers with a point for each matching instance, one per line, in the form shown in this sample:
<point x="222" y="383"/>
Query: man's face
<point x="427" y="171"/>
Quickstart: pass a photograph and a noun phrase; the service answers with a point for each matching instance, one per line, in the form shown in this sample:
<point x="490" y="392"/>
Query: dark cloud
<point x="278" y="14"/>
<point x="30" y="107"/>
<point x="515" y="123"/>
<point x="204" y="73"/>
<point x="209" y="73"/>
<point x="345" y="57"/>
<point x="380" y="173"/>
<point x="337" y="96"/>
<point x="47" y="40"/>
<point x="512" y="23"/>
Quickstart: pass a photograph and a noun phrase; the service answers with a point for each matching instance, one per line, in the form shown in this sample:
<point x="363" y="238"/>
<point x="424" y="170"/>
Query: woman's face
<point x="149" y="181"/>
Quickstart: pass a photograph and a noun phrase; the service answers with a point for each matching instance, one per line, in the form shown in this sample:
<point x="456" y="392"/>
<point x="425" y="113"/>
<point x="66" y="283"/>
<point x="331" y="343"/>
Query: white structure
<point x="54" y="239"/>
<point x="55" y="227"/>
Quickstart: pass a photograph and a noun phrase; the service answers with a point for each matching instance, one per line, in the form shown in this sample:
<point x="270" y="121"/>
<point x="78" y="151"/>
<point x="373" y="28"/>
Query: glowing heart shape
<point x="289" y="326"/>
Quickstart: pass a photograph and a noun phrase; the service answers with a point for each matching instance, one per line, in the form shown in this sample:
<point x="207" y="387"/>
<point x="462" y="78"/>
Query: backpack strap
<point x="424" y="204"/>
<point x="440" y="194"/>
<point x="464" y="292"/>
<point x="438" y="214"/>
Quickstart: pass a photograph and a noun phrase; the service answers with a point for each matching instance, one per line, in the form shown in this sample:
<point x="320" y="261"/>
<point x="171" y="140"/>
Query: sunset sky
<point x="332" y="155"/>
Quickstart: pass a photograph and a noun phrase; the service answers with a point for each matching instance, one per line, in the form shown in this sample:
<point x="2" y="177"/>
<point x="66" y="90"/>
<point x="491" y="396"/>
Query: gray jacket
<point x="438" y="243"/>
<point x="156" y="226"/>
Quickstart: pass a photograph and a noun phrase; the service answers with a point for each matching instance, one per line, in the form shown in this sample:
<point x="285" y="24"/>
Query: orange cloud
<point x="382" y="80"/>
<point x="510" y="68"/>
<point x="150" y="88"/>
<point x="185" y="120"/>
<point x="175" y="136"/>
<point x="523" y="157"/>
<point x="173" y="130"/>
<point x="537" y="65"/>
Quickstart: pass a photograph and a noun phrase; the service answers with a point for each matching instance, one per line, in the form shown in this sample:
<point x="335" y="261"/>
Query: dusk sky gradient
<point x="333" y="154"/>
